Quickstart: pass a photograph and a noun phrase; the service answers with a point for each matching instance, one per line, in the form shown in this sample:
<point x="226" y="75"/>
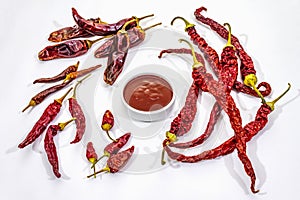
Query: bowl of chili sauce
<point x="148" y="96"/>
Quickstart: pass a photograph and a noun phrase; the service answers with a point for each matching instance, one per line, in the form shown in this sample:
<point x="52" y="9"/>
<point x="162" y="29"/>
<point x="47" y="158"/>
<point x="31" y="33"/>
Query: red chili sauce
<point x="148" y="93"/>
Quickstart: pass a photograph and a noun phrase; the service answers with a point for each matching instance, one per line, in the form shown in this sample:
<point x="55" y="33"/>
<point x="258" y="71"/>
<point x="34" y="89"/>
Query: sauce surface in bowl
<point x="148" y="93"/>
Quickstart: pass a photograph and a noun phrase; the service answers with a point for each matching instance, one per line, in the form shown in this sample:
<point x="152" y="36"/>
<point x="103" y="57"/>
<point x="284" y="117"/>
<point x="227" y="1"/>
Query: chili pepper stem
<point x="91" y="42"/>
<point x="140" y="18"/>
<point x="272" y="103"/>
<point x="64" y="124"/>
<point x="229" y="36"/>
<point x="163" y="162"/>
<point x="79" y="82"/>
<point x="105" y="169"/>
<point x="31" y="103"/>
<point x="107" y="133"/>
<point x="187" y="23"/>
<point x="251" y="80"/>
<point x="196" y="62"/>
<point x="123" y="30"/>
<point x="60" y="100"/>
<point x="96" y="161"/>
<point x="152" y="26"/>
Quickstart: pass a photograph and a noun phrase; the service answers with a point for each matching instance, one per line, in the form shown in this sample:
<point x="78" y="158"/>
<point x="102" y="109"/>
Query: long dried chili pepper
<point x="47" y="117"/>
<point x="50" y="147"/>
<point x="72" y="32"/>
<point x="116" y="161"/>
<point x="77" y="113"/>
<point x="114" y="147"/>
<point x="136" y="36"/>
<point x="67" y="49"/>
<point x="103" y="29"/>
<point x="80" y="73"/>
<point x="41" y="96"/>
<point x="91" y="155"/>
<point x="248" y="71"/>
<point x="107" y="123"/>
<point x="60" y="76"/>
<point x="117" y="56"/>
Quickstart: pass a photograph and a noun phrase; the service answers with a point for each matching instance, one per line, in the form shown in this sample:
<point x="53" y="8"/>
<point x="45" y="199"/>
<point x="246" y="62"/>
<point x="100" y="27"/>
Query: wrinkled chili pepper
<point x="72" y="32"/>
<point x="103" y="29"/>
<point x="108" y="122"/>
<point x="136" y="36"/>
<point x="50" y="147"/>
<point x="60" y="76"/>
<point x="91" y="155"/>
<point x="67" y="49"/>
<point x="41" y="96"/>
<point x="80" y="73"/>
<point x="77" y="113"/>
<point x="248" y="71"/>
<point x="117" y="56"/>
<point x="116" y="161"/>
<point x="115" y="146"/>
<point x="47" y="117"/>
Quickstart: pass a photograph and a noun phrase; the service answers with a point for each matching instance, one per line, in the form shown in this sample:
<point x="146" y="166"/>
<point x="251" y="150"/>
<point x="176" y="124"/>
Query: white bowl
<point x="152" y="115"/>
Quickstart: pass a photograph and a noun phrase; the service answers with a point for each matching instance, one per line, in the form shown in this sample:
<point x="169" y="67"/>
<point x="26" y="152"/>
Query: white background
<point x="272" y="30"/>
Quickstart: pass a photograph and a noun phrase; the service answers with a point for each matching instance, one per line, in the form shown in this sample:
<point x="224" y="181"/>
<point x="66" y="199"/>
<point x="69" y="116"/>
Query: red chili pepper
<point x="77" y="113"/>
<point x="107" y="122"/>
<point x="116" y="162"/>
<point x="67" y="49"/>
<point x="103" y="29"/>
<point x="80" y="73"/>
<point x="73" y="32"/>
<point x="50" y="147"/>
<point x="47" y="117"/>
<point x="91" y="155"/>
<point x="60" y="76"/>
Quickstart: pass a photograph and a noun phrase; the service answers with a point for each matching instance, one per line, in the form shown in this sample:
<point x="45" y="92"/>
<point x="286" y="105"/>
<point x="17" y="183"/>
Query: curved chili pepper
<point x="136" y="36"/>
<point x="72" y="32"/>
<point x="91" y="155"/>
<point x="80" y="73"/>
<point x="248" y="71"/>
<point x="77" y="113"/>
<point x="107" y="123"/>
<point x="60" y="76"/>
<point x="47" y="117"/>
<point x="50" y="147"/>
<point x="67" y="49"/>
<point x="116" y="161"/>
<point x="103" y="29"/>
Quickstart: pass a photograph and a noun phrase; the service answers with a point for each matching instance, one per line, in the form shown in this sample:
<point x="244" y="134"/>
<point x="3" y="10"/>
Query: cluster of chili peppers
<point x="226" y="68"/>
<point x="116" y="159"/>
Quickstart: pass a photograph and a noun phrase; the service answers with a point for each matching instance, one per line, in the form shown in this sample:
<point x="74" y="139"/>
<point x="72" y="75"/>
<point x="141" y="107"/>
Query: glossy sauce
<point x="148" y="93"/>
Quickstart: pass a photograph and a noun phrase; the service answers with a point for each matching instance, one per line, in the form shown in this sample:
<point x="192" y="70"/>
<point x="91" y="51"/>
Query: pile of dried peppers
<point x="119" y="37"/>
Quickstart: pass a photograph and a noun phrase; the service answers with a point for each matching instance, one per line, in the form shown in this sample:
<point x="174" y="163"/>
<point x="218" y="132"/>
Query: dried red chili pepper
<point x="67" y="49"/>
<point x="77" y="113"/>
<point x="107" y="122"/>
<point x="136" y="36"/>
<point x="48" y="116"/>
<point x="114" y="147"/>
<point x="117" y="56"/>
<point x="116" y="161"/>
<point x="91" y="155"/>
<point x="50" y="147"/>
<point x="80" y="73"/>
<point x="103" y="29"/>
<point x="72" y="32"/>
<point x="41" y="96"/>
<point x="248" y="71"/>
<point x="60" y="76"/>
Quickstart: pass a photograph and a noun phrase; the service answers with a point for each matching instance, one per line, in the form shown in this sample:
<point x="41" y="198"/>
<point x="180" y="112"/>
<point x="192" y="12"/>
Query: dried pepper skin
<point x="104" y="50"/>
<point x="240" y="87"/>
<point x="60" y="76"/>
<point x="77" y="113"/>
<point x="91" y="154"/>
<point x="115" y="146"/>
<point x="117" y="161"/>
<point x="80" y="73"/>
<point x="108" y="120"/>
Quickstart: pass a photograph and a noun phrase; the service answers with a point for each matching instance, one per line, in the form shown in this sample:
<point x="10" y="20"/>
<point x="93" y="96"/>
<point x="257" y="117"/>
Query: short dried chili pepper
<point x="77" y="113"/>
<point x="50" y="147"/>
<point x="114" y="147"/>
<point x="67" y="49"/>
<point x="136" y="36"/>
<point x="91" y="155"/>
<point x="107" y="122"/>
<point x="73" y="32"/>
<point x="60" y="76"/>
<point x="41" y="96"/>
<point x="102" y="29"/>
<point x="47" y="117"/>
<point x="116" y="161"/>
<point x="80" y="73"/>
<point x="248" y="71"/>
